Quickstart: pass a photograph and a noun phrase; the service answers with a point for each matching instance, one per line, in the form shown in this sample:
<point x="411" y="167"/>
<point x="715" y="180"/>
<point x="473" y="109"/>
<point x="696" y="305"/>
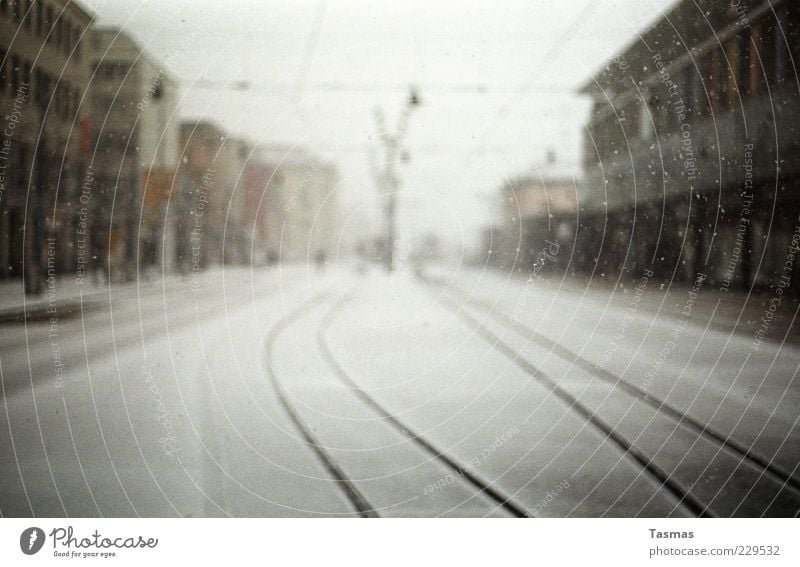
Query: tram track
<point x="482" y="486"/>
<point x="655" y="471"/>
<point x="773" y="470"/>
<point x="349" y="486"/>
<point x="345" y="484"/>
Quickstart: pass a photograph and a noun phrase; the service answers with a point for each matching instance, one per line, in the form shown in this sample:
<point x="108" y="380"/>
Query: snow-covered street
<point x="295" y="392"/>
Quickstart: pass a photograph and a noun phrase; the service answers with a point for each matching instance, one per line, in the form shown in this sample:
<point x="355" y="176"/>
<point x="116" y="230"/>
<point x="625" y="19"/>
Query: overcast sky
<point x="497" y="81"/>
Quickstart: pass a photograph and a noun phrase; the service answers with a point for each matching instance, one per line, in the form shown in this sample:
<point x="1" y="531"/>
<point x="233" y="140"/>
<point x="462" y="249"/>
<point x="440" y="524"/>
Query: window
<point x="792" y="30"/>
<point x="55" y="103"/>
<point x="39" y="17"/>
<point x="48" y="23"/>
<point x="73" y="38"/>
<point x="58" y="100"/>
<point x="65" y="31"/>
<point x="27" y="13"/>
<point x="14" y="74"/>
<point x="731" y="65"/>
<point x="767" y="51"/>
<point x="43" y="87"/>
<point x="67" y="103"/>
<point x="58" y="30"/>
<point x="712" y="66"/>
<point x="743" y="61"/>
<point x="3" y="79"/>
<point x="786" y="44"/>
<point x="67" y="37"/>
<point x="754" y="83"/>
<point x="696" y="95"/>
<point x="646" y="122"/>
<point x="78" y="34"/>
<point x="780" y="48"/>
<point x="19" y="158"/>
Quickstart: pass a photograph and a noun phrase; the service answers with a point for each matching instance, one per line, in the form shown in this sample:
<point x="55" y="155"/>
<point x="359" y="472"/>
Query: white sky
<point x="529" y="55"/>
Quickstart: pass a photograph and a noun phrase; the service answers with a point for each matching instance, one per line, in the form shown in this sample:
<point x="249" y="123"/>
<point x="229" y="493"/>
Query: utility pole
<point x="388" y="182"/>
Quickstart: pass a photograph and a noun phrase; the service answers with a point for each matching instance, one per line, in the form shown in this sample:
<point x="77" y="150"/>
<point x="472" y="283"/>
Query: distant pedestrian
<point x="319" y="260"/>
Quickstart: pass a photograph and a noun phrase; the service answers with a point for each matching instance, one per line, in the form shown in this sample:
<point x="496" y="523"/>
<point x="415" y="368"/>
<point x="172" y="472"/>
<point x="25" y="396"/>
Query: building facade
<point x="45" y="151"/>
<point x="135" y="129"/>
<point x="100" y="178"/>
<point x="688" y="149"/>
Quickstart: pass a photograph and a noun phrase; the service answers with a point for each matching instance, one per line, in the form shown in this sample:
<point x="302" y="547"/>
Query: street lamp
<point x="388" y="183"/>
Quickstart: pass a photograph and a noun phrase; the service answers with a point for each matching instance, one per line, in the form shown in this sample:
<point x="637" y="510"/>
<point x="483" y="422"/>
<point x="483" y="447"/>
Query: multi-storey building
<point x="45" y="149"/>
<point x="302" y="207"/>
<point x="539" y="216"/>
<point x="688" y="154"/>
<point x="135" y="128"/>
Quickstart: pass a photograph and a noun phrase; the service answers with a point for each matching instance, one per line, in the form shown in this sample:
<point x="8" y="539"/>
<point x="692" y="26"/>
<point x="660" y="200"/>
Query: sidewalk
<point x="762" y="316"/>
<point x="64" y="293"/>
<point x="731" y="311"/>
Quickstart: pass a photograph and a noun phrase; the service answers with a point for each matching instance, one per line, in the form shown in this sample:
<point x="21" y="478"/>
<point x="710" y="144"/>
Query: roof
<point x="681" y="30"/>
